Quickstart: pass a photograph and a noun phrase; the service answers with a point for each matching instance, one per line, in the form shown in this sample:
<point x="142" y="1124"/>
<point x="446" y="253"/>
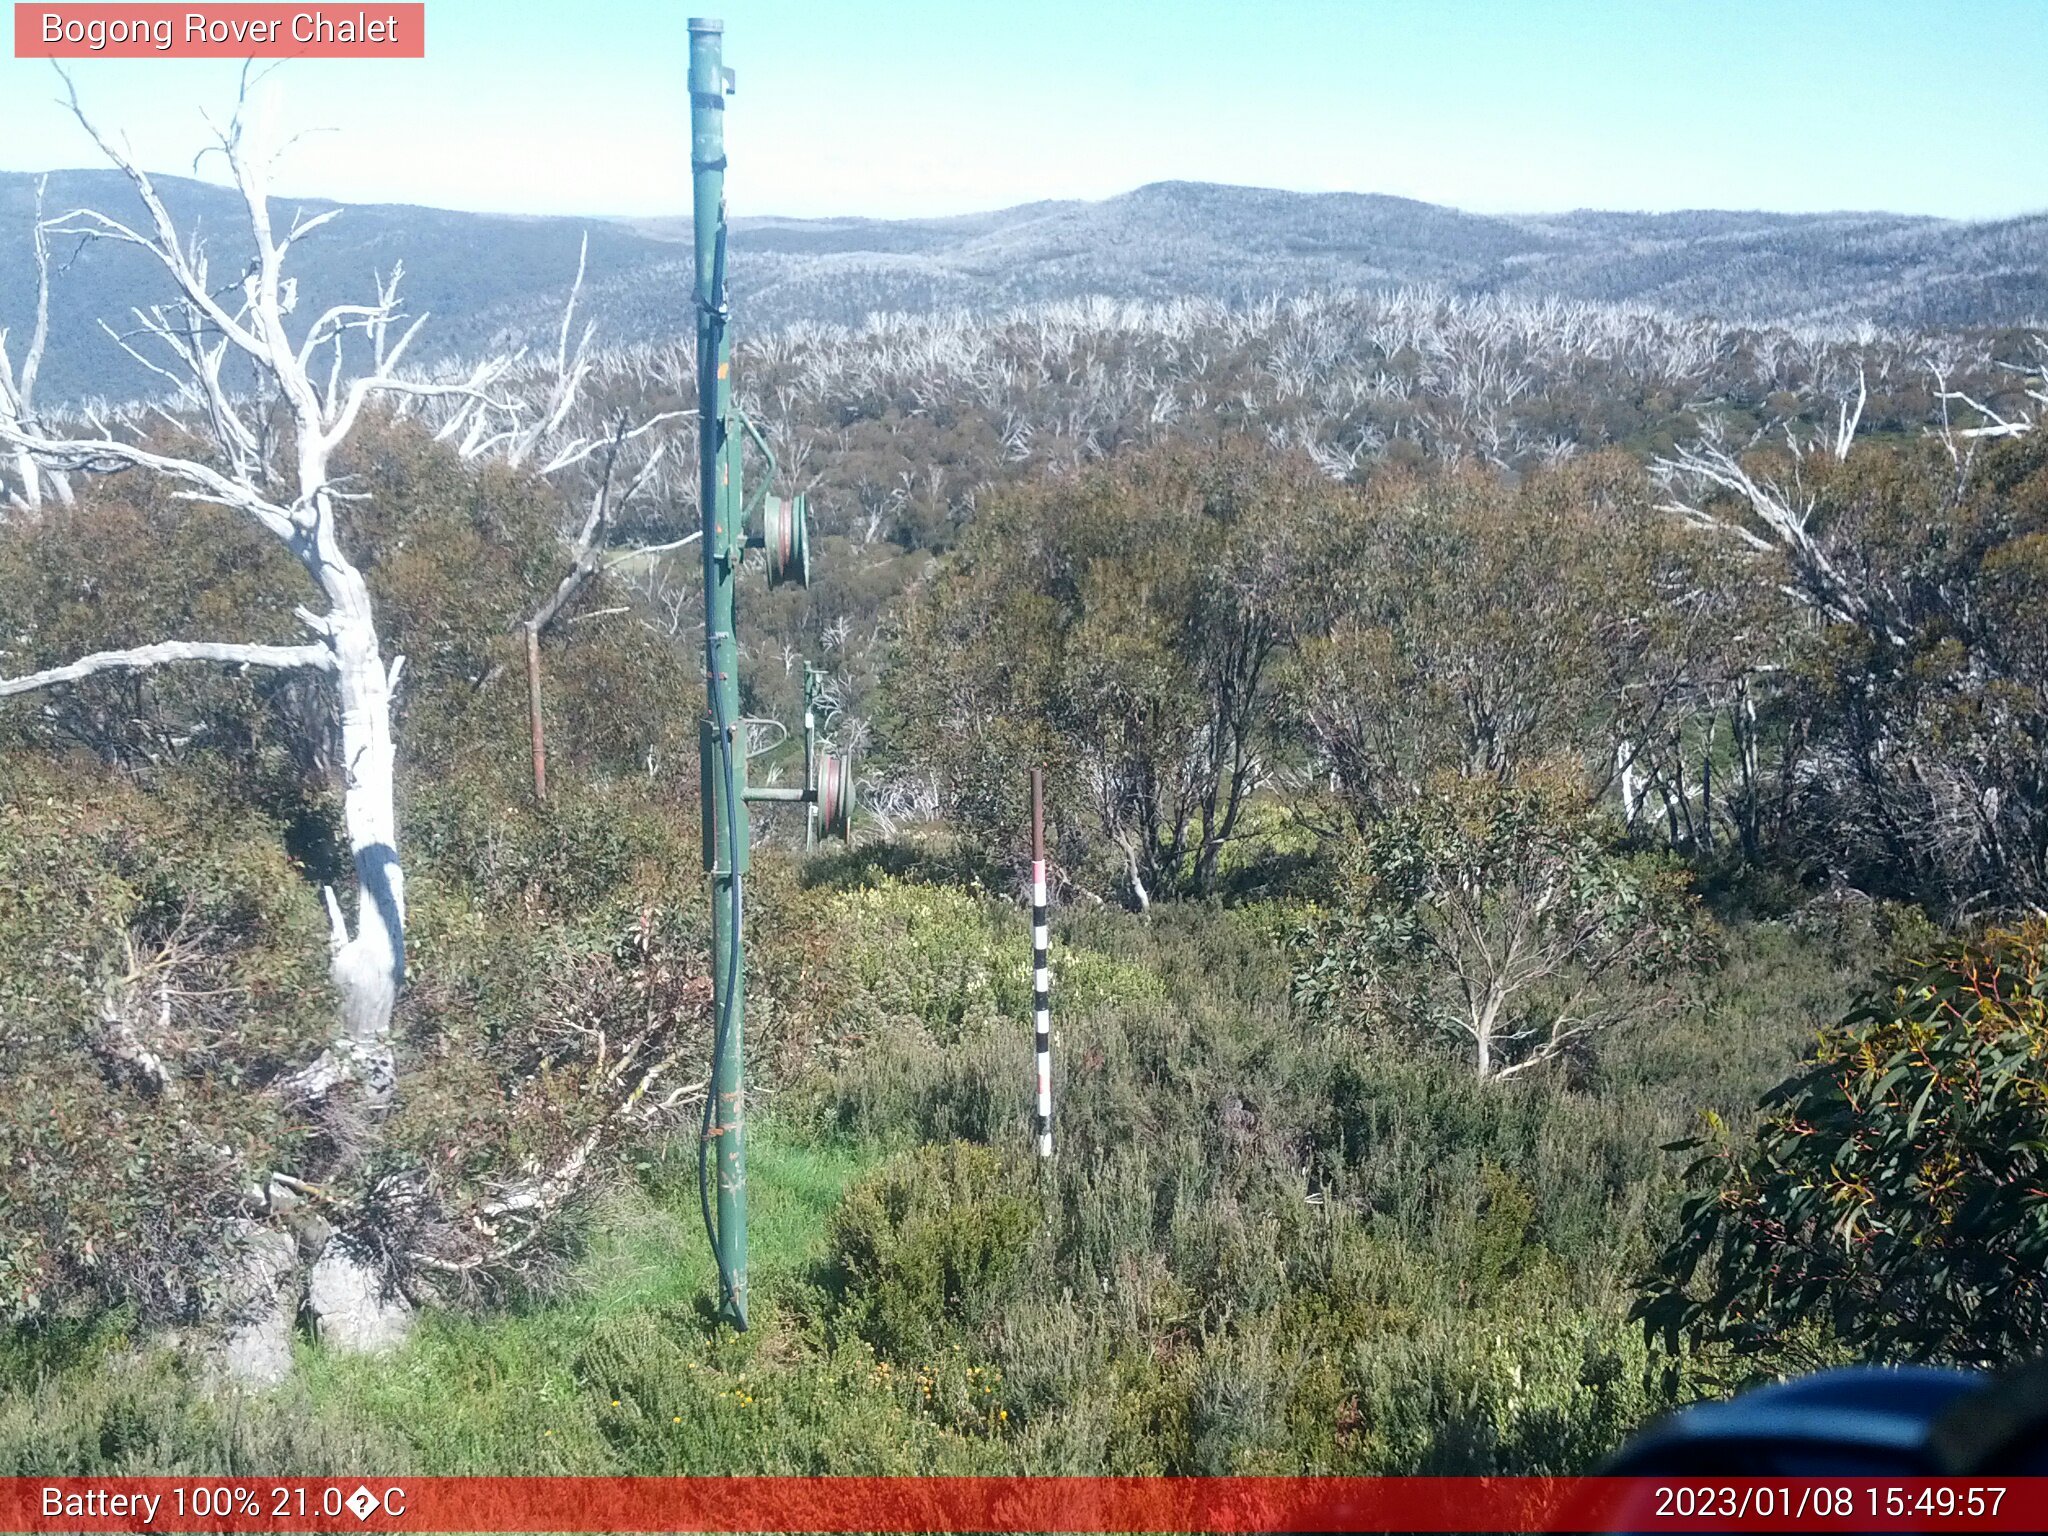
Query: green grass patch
<point x="625" y="1373"/>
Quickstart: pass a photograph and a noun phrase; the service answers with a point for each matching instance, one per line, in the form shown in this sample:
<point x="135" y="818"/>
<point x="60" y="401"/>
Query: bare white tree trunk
<point x="1630" y="780"/>
<point x="18" y="387"/>
<point x="368" y="967"/>
<point x="207" y="325"/>
<point x="269" y="456"/>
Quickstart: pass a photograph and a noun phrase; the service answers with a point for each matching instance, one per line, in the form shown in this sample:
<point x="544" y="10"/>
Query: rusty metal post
<point x="540" y="744"/>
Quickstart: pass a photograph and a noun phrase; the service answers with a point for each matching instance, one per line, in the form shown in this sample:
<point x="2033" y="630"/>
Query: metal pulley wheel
<point x="785" y="536"/>
<point x="835" y="796"/>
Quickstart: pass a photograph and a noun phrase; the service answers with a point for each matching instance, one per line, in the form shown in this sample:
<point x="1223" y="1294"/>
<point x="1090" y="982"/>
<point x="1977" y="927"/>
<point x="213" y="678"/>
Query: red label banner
<point x="989" y="1504"/>
<point x="262" y="31"/>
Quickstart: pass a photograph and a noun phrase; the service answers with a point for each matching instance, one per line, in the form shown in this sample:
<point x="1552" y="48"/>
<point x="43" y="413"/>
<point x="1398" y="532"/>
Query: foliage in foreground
<point x="1891" y="1205"/>
<point x="163" y="953"/>
<point x="1264" y="1248"/>
<point x="1269" y="1242"/>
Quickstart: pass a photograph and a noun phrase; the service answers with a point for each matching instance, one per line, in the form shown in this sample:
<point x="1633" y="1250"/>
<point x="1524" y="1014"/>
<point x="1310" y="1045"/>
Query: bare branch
<point x="606" y="502"/>
<point x="187" y="268"/>
<point x="102" y="454"/>
<point x="1785" y="515"/>
<point x="164" y="652"/>
<point x="641" y="552"/>
<point x="1846" y="420"/>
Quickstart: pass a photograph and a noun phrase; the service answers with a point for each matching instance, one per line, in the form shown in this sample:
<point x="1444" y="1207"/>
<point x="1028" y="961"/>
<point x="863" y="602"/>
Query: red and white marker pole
<point x="1041" y="967"/>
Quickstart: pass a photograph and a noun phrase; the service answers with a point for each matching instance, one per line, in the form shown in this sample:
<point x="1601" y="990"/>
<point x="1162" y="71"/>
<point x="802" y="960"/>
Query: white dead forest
<point x="1290" y="592"/>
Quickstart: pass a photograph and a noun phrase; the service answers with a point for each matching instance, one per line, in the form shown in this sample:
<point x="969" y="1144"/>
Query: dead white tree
<point x="18" y="386"/>
<point x="552" y="444"/>
<point x="543" y="421"/>
<point x="1780" y="510"/>
<point x="589" y="555"/>
<point x="211" y="336"/>
<point x="1848" y="418"/>
<point x="2034" y="387"/>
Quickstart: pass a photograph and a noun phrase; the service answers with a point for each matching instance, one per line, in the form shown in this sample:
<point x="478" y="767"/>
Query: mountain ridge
<point x="499" y="280"/>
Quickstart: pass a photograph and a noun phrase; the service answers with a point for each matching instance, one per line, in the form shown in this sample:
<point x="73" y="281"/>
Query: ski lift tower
<point x="722" y="745"/>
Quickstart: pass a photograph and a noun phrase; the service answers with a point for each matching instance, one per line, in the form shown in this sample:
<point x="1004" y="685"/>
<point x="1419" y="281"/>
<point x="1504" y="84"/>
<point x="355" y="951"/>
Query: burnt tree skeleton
<point x="269" y="410"/>
<point x="284" y="482"/>
<point x="297" y="504"/>
<point x="550" y="445"/>
<point x="18" y="385"/>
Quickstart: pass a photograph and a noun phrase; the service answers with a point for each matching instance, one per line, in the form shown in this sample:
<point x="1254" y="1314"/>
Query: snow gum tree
<point x="1501" y="917"/>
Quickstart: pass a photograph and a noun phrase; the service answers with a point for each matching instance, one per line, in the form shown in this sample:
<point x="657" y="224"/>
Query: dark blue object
<point x="1868" y="1420"/>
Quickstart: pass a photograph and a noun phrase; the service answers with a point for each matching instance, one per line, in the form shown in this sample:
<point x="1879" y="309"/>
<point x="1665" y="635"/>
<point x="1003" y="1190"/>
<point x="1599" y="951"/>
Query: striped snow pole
<point x="1041" y="967"/>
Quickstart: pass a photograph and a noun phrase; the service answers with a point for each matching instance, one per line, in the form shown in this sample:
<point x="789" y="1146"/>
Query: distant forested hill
<point x="479" y="275"/>
<point x="492" y="280"/>
<point x="1240" y="242"/>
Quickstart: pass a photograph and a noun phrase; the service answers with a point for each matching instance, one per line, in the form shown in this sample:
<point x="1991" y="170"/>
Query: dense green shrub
<point x="120" y="1413"/>
<point x="927" y="1240"/>
<point x="591" y="849"/>
<point x="920" y="998"/>
<point x="1524" y="1383"/>
<point x="663" y="1408"/>
<point x="920" y="953"/>
<point x="935" y="956"/>
<point x="1503" y="917"/>
<point x="159" y="968"/>
<point x="1890" y="1204"/>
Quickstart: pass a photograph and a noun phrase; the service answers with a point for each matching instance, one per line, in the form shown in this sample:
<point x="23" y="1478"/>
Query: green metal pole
<point x="722" y="778"/>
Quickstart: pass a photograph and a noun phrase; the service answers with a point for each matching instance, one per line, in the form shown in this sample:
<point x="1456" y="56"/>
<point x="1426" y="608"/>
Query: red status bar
<point x="969" y="1504"/>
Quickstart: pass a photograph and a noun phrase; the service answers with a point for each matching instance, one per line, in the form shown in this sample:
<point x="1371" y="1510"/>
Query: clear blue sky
<point x="901" y="107"/>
